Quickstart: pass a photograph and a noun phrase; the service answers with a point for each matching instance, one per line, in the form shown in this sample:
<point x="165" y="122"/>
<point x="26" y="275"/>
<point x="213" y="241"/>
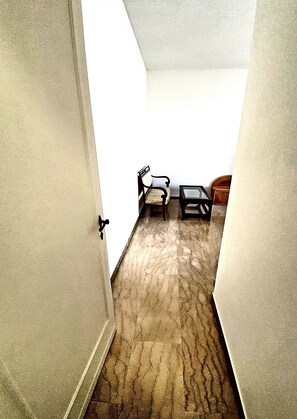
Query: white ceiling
<point x="193" y="34"/>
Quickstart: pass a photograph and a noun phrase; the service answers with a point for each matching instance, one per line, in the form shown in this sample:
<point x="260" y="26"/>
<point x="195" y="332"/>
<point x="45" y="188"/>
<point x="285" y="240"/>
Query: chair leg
<point x="163" y="208"/>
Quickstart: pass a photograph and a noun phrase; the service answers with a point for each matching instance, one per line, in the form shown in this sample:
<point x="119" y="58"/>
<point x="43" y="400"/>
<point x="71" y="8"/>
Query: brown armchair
<point x="220" y="189"/>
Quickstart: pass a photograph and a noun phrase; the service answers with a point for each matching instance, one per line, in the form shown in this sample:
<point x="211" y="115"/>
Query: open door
<point x="56" y="307"/>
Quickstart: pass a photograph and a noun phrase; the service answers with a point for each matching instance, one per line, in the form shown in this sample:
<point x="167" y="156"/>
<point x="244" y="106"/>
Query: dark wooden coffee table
<point x="194" y="202"/>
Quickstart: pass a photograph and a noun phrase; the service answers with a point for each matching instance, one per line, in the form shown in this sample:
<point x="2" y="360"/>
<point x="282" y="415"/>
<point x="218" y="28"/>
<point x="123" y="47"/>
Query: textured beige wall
<point x="256" y="287"/>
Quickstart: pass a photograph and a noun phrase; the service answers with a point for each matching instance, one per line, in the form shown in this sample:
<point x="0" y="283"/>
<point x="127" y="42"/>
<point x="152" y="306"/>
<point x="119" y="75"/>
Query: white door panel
<point x="55" y="306"/>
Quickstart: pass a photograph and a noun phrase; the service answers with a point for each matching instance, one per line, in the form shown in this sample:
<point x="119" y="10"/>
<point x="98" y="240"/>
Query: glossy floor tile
<point x="154" y="381"/>
<point x="167" y="359"/>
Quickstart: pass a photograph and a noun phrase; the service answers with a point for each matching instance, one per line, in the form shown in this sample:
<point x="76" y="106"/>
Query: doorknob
<point x="102" y="224"/>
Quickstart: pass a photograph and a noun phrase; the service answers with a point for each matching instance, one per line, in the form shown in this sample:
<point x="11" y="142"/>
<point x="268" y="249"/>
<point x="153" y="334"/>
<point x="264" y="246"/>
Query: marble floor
<point x="167" y="360"/>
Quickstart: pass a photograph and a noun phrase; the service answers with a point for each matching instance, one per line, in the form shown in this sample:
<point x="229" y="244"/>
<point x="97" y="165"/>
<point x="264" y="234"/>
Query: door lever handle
<point x="102" y="224"/>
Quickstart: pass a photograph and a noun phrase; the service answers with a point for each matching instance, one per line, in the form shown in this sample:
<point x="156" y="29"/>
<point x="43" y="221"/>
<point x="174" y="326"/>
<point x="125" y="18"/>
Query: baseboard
<point x="116" y="269"/>
<point x="228" y="359"/>
<point x="81" y="398"/>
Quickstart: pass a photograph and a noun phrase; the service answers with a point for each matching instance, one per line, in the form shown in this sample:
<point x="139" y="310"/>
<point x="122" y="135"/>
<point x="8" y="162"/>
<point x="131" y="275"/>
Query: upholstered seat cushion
<point x="153" y="196"/>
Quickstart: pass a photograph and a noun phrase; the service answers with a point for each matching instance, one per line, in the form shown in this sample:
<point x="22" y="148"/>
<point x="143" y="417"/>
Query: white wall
<point x="193" y="123"/>
<point x="117" y="78"/>
<point x="256" y="287"/>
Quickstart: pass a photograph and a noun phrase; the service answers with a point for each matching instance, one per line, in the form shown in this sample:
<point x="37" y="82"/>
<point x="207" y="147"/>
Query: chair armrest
<point x="167" y="183"/>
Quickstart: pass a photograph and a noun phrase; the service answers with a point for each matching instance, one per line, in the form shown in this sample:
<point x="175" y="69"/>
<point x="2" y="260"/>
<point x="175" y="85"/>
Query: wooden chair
<point x="220" y="189"/>
<point x="154" y="195"/>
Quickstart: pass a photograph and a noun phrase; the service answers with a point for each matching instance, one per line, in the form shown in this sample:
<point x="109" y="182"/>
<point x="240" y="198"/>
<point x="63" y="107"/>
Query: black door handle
<point x="102" y="224"/>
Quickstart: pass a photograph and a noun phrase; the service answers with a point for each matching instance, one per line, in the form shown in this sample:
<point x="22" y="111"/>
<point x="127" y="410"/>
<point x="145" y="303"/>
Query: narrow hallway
<point x="167" y="360"/>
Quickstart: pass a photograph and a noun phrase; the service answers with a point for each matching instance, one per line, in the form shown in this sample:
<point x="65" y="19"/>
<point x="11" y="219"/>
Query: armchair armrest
<point x="167" y="183"/>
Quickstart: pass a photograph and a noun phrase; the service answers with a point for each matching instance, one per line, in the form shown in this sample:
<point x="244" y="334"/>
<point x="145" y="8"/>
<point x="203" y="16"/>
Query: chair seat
<point x="153" y="196"/>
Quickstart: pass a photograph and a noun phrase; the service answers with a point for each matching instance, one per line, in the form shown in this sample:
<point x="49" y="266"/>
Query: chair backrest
<point x="222" y="181"/>
<point x="145" y="177"/>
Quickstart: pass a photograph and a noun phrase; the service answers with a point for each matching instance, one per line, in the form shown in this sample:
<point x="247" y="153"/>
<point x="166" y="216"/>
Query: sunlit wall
<point x="117" y="78"/>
